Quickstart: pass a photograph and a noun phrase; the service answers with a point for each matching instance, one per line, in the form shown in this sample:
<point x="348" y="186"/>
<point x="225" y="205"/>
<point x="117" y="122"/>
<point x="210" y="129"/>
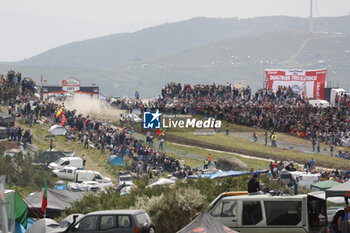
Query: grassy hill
<point x="240" y="58"/>
<point x="171" y="38"/>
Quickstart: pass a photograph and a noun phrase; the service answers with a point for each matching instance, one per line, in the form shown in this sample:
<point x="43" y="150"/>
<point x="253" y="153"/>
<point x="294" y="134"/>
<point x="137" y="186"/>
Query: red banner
<point x="307" y="83"/>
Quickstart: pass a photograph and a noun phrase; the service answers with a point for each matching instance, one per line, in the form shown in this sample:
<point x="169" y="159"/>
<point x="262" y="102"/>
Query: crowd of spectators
<point x="283" y="110"/>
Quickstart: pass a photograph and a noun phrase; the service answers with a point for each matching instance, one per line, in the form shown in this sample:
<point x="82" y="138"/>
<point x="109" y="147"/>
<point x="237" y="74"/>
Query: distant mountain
<point x="172" y="38"/>
<point x="241" y="58"/>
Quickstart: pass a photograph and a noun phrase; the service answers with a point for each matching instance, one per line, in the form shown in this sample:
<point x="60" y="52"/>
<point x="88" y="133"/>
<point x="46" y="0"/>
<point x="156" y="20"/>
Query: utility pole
<point x="311" y="19"/>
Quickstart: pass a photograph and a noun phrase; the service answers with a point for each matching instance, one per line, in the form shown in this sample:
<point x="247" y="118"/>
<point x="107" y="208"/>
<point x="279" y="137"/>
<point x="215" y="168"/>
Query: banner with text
<point x="307" y="83"/>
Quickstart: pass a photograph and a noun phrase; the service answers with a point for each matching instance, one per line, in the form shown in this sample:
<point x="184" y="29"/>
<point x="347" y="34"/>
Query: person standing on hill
<point x="274" y="140"/>
<point x="86" y="144"/>
<point x="265" y="138"/>
<point x="51" y="144"/>
<point x="312" y="164"/>
<point x="84" y="160"/>
<point x="209" y="159"/>
<point x="255" y="137"/>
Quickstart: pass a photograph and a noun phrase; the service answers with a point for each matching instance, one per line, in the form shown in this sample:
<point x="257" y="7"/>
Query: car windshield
<point x="59" y="161"/>
<point x="125" y="178"/>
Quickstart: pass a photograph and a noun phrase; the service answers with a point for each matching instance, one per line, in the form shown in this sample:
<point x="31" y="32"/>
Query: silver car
<point x="108" y="221"/>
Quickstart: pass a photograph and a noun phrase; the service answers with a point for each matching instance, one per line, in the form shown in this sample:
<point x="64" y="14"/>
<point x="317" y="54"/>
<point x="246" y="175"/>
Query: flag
<point x="44" y="202"/>
<point x="59" y="112"/>
<point x="64" y="119"/>
<point x="41" y="79"/>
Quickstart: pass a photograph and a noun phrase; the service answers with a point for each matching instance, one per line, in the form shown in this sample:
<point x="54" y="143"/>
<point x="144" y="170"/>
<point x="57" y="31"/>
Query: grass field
<point x="239" y="145"/>
<point x="252" y="163"/>
<point x="95" y="159"/>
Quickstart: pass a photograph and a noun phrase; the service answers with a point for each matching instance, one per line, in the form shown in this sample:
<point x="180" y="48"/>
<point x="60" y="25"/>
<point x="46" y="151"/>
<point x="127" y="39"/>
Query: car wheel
<point x="152" y="230"/>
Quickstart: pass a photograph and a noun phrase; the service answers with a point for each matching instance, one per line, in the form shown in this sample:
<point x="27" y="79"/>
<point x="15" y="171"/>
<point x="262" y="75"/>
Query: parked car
<point x="92" y="186"/>
<point x="108" y="221"/>
<point x="67" y="161"/>
<point x="272" y="214"/>
<point x="73" y="173"/>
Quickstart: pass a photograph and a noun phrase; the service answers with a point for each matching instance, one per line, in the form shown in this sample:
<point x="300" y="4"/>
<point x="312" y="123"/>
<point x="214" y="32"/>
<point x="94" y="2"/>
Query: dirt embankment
<point x="261" y="154"/>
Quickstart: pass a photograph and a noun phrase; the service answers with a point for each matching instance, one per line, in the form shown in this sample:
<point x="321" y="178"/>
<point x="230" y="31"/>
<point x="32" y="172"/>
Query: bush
<point x="173" y="210"/>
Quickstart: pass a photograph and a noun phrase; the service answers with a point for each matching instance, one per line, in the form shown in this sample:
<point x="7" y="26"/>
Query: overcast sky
<point x="29" y="27"/>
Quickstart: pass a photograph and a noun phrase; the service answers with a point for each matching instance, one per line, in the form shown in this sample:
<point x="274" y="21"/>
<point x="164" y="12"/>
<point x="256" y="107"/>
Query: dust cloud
<point x="98" y="109"/>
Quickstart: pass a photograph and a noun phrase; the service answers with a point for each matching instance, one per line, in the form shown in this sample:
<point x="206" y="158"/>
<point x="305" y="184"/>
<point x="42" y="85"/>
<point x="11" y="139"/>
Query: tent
<point x="57" y="201"/>
<point x="60" y="185"/>
<point x="57" y="130"/>
<point x="162" y="181"/>
<point x="205" y="223"/>
<point x="323" y="185"/>
<point x="45" y="225"/>
<point x="339" y="190"/>
<point x="115" y="160"/>
<point x="52" y="156"/>
<point x="224" y="174"/>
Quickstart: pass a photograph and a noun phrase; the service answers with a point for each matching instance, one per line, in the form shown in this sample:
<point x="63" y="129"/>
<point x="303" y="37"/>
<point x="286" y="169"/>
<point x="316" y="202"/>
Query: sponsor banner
<point x="70" y="82"/>
<point x="307" y="83"/>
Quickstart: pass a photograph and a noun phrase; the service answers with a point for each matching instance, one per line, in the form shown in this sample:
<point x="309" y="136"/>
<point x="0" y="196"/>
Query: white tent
<point x="57" y="130"/>
<point x="45" y="225"/>
<point x="162" y="181"/>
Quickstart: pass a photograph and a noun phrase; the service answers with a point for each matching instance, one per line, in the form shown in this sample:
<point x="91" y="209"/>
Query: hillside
<point x="171" y="38"/>
<point x="240" y="58"/>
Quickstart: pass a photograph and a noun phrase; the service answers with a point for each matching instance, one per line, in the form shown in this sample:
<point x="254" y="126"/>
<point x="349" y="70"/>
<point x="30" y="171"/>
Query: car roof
<point x="264" y="197"/>
<point x="70" y="158"/>
<point x="106" y="212"/>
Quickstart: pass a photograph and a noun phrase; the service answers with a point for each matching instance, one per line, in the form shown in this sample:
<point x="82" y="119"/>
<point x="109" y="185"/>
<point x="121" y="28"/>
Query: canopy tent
<point x="324" y="185"/>
<point x="224" y="174"/>
<point x="115" y="160"/>
<point x="162" y="181"/>
<point x="52" y="156"/>
<point x="57" y="201"/>
<point x="322" y="195"/>
<point x="205" y="223"/>
<point x="60" y="185"/>
<point x="57" y="130"/>
<point x="342" y="190"/>
<point x="45" y="225"/>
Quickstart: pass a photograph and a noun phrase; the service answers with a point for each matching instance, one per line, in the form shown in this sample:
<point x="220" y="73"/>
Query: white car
<point x="93" y="186"/>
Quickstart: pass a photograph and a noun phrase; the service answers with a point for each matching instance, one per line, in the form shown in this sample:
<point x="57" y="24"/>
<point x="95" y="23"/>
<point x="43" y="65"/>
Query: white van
<point x="306" y="179"/>
<point x="272" y="214"/>
<point x="73" y="173"/>
<point x="67" y="162"/>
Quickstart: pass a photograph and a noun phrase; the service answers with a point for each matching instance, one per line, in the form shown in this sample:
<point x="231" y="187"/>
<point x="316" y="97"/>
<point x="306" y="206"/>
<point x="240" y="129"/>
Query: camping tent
<point x="224" y="174"/>
<point x="52" y="156"/>
<point x="45" y="225"/>
<point x="57" y="201"/>
<point x="115" y="160"/>
<point x="57" y="130"/>
<point x="206" y="224"/>
<point x="323" y="185"/>
<point x="162" y="181"/>
<point x="340" y="190"/>
<point x="60" y="185"/>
